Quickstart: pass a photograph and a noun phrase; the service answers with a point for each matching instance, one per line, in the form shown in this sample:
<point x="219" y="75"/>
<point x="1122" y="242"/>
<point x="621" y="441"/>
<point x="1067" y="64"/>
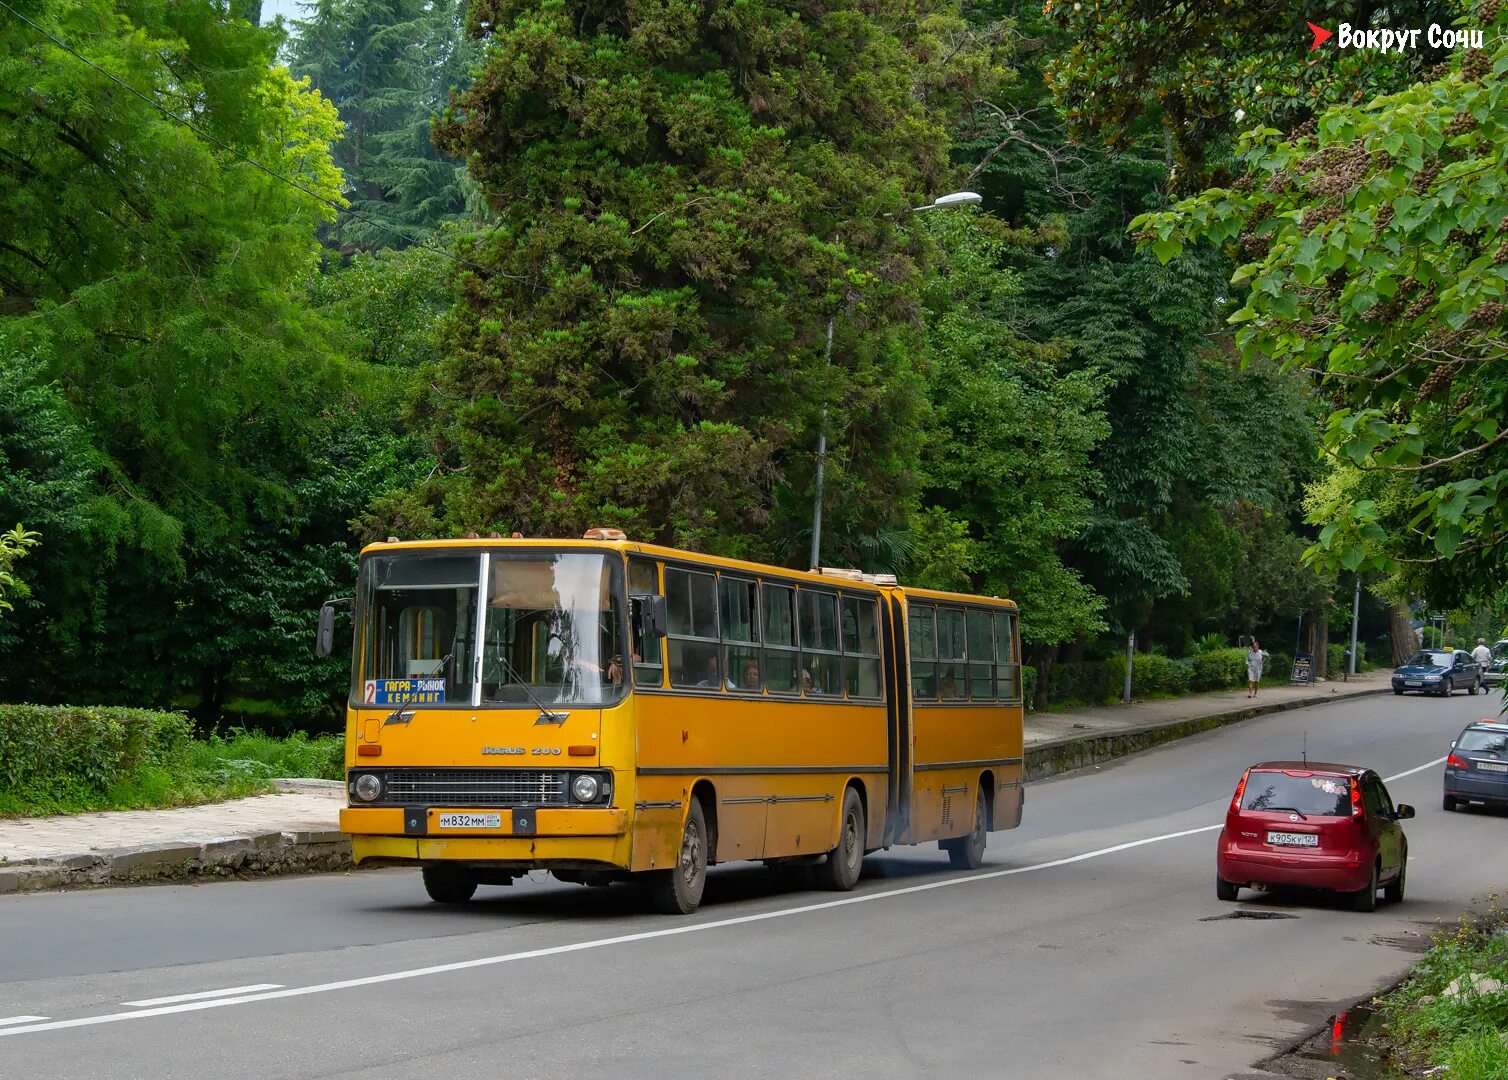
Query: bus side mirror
<point x="324" y="641"/>
<point x="651" y="616"/>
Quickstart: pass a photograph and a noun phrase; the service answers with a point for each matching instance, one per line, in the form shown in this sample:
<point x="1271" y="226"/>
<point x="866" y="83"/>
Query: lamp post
<point x="942" y="202"/>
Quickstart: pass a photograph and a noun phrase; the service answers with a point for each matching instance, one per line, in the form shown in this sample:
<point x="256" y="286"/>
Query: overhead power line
<point x="209" y="138"/>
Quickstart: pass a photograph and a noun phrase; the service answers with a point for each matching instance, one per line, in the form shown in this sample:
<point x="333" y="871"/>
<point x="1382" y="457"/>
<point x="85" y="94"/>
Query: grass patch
<point x="1460" y="1033"/>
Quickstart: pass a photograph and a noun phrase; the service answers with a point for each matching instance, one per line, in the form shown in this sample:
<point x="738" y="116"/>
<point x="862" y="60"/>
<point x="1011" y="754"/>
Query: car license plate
<point x="1492" y="766"/>
<point x="1294" y="839"/>
<point x="471" y="821"/>
<point x="1413" y="682"/>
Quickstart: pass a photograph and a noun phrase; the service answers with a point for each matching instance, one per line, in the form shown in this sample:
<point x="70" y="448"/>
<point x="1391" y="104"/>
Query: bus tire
<point x="967" y="852"/>
<point x="679" y="891"/>
<point x="447" y="885"/>
<point x="840" y="873"/>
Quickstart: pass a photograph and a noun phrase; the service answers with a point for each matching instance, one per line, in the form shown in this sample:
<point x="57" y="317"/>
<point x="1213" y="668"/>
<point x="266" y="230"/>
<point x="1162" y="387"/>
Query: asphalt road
<point x="1090" y="945"/>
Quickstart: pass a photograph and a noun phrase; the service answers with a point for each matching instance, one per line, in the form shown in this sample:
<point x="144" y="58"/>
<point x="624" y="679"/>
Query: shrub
<point x="1218" y="669"/>
<point x="1157" y="674"/>
<point x="1279" y="668"/>
<point x="1094" y="682"/>
<point x="1029" y="686"/>
<point x="1207" y="643"/>
<point x="52" y="750"/>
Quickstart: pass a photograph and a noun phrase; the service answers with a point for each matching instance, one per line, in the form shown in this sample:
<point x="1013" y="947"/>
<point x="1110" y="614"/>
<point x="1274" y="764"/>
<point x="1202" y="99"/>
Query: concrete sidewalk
<point x="297" y="828"/>
<point x="1059" y="741"/>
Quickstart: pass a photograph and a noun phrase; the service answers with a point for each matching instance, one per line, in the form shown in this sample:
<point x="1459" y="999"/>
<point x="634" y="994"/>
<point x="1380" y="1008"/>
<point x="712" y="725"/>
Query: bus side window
<point x="649" y="660"/>
<point x="981" y="656"/>
<point x="692" y="602"/>
<point x="861" y="647"/>
<point x="923" y="636"/>
<point x="950" y="655"/>
<point x="780" y="663"/>
<point x="1007" y="663"/>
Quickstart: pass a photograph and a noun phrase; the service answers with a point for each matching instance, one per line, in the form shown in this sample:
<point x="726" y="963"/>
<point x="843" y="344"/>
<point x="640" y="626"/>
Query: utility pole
<point x="1130" y="662"/>
<point x="942" y="202"/>
<point x="821" y="461"/>
<point x="1355" y="618"/>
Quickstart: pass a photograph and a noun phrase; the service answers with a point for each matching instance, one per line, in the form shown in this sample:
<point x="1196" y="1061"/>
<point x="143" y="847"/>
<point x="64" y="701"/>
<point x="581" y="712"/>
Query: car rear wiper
<point x="1289" y="809"/>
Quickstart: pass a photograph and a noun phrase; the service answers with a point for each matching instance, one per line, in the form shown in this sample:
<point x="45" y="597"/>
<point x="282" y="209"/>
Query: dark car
<point x="1477" y="769"/>
<point x="1313" y="825"/>
<point x="1498" y="666"/>
<point x="1439" y="671"/>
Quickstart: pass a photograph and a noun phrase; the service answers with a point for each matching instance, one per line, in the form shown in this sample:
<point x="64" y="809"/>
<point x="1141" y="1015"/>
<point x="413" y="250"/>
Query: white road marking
<point x="1411" y="772"/>
<point x="149" y="1002"/>
<point x="4" y="1020"/>
<point x="622" y="939"/>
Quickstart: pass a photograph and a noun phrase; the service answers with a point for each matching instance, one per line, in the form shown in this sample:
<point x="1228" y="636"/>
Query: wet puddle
<point x="1351" y="1047"/>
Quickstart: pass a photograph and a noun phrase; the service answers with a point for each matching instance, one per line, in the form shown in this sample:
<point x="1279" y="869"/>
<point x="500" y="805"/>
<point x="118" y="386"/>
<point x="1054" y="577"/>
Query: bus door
<point x="898" y="718"/>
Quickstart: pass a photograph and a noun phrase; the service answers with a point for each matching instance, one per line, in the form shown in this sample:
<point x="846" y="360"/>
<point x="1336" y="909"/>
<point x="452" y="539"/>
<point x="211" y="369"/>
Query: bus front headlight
<point x="367" y="787"/>
<point x="585" y="788"/>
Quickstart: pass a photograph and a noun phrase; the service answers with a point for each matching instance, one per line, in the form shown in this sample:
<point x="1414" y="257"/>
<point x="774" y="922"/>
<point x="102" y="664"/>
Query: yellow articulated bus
<point x="607" y="710"/>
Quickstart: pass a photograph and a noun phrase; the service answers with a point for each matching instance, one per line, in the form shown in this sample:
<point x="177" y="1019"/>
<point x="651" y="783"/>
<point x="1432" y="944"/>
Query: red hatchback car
<point x="1313" y="825"/>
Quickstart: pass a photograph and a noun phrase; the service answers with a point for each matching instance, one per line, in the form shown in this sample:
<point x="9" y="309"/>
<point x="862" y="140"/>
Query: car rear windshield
<point x="1493" y="742"/>
<point x="1308" y="793"/>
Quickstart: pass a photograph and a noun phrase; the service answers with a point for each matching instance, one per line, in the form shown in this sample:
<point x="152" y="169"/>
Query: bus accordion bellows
<point x="607" y="710"/>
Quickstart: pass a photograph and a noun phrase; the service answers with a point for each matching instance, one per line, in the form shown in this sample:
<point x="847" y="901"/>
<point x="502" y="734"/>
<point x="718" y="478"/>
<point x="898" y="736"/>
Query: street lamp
<point x="942" y="202"/>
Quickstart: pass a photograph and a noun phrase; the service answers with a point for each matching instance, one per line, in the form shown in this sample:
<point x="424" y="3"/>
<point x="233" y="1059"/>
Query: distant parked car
<point x="1477" y="768"/>
<point x="1499" y="664"/>
<point x="1313" y="825"/>
<point x="1439" y="671"/>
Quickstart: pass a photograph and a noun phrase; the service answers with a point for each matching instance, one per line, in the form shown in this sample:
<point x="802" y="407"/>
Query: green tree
<point x="1201" y="73"/>
<point x="173" y="405"/>
<point x="1010" y="437"/>
<point x="1374" y="261"/>
<point x="388" y="66"/>
<point x="685" y="196"/>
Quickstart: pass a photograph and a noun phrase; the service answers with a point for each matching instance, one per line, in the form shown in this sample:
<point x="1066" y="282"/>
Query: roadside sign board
<point x="1303" y="669"/>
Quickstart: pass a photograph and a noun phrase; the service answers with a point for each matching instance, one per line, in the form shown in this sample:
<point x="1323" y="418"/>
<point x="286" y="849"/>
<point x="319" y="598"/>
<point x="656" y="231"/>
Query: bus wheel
<point x="967" y="852"/>
<point x="679" y="891"/>
<point x="447" y="885"/>
<point x="840" y="872"/>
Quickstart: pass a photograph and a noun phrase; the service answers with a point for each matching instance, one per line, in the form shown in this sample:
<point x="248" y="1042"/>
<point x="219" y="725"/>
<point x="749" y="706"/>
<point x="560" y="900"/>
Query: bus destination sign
<point x="404" y="692"/>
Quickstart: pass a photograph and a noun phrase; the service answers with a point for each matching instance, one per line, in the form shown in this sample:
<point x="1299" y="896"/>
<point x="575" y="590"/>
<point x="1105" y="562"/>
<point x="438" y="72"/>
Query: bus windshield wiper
<point x="398" y="716"/>
<point x="545" y="715"/>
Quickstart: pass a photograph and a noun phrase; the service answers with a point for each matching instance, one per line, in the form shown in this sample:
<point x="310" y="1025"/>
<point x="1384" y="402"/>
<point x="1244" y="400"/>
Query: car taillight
<point x="1355" y="798"/>
<point x="1455" y="761"/>
<point x="1235" y="803"/>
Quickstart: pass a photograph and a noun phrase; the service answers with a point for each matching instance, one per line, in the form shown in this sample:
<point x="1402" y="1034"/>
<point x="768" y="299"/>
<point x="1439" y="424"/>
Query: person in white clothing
<point x="1255" y="658"/>
<point x="1482" y="654"/>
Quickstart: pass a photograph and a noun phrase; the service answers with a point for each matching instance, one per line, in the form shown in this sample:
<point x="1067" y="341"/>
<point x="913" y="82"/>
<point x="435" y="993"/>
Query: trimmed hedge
<point x="1101" y="682"/>
<point x="53" y="750"/>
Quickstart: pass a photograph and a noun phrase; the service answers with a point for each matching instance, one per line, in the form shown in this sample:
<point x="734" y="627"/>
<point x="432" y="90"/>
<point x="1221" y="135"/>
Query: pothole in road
<point x="1249" y="913"/>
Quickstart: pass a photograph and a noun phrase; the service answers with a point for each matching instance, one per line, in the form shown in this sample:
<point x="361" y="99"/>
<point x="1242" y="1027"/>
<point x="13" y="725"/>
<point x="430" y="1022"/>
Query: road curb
<point x="235" y="856"/>
<point x="1069" y="752"/>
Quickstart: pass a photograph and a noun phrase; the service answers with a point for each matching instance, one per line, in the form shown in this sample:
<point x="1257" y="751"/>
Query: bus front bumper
<point x="560" y="838"/>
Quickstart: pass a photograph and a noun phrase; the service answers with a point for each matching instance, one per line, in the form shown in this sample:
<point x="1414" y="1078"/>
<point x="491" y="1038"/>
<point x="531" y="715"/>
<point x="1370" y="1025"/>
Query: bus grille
<point x="475" y="787"/>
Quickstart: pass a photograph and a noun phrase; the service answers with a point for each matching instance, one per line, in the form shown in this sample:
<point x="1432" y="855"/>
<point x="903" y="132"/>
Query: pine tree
<point x="388" y="66"/>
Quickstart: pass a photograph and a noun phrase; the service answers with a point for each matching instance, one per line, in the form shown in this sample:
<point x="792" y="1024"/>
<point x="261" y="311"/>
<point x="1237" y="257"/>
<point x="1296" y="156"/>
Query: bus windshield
<point x="551" y="629"/>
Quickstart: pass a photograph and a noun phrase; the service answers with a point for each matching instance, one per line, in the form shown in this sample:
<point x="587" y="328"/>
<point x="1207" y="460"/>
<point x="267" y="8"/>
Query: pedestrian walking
<point x="1255" y="658"/>
<point x="1482" y="654"/>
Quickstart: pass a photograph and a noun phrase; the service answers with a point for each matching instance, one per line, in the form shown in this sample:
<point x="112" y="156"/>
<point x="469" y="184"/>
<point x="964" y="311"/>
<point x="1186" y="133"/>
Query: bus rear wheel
<point x="448" y="885"/>
<point x="967" y="852"/>
<point x="679" y="891"/>
<point x="840" y="873"/>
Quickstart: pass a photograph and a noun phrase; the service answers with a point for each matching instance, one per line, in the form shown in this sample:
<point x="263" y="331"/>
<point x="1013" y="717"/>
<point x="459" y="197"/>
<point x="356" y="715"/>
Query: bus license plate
<point x="471" y="821"/>
<point x="1294" y="839"/>
<point x="1492" y="766"/>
